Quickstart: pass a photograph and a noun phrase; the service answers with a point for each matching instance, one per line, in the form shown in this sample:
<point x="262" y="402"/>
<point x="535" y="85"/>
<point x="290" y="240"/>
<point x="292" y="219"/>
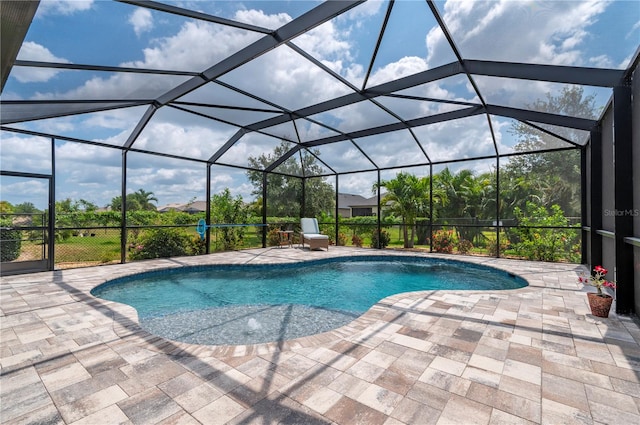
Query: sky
<point x="580" y="33"/>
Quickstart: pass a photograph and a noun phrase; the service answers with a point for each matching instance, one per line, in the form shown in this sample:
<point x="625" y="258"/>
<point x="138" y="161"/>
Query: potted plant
<point x="600" y="303"/>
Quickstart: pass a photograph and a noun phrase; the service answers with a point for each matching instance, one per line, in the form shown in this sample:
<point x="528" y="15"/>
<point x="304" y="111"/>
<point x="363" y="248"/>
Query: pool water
<point x="250" y="304"/>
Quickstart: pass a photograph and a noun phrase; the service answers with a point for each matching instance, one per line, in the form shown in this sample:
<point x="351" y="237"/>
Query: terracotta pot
<point x="600" y="304"/>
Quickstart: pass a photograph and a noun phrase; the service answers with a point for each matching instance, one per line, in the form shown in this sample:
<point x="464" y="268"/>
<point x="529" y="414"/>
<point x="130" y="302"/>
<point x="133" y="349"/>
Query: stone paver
<point x="528" y="356"/>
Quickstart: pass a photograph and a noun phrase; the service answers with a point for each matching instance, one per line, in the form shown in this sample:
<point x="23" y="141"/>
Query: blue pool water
<point x="245" y="304"/>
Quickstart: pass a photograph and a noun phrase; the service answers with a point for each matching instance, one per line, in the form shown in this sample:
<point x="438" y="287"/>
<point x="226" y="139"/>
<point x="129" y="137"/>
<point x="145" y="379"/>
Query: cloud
<point x="35" y="52"/>
<point x="18" y="191"/>
<point x="531" y="32"/>
<point x="184" y="50"/>
<point x="62" y="7"/>
<point x="261" y="19"/>
<point x="601" y="61"/>
<point x="546" y="32"/>
<point x="25" y="153"/>
<point x="192" y="141"/>
<point x="359" y="184"/>
<point x="633" y="29"/>
<point x="402" y="68"/>
<point x="141" y="20"/>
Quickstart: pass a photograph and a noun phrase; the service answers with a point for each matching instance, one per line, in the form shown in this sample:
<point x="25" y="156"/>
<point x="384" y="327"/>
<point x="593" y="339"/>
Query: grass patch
<point x="101" y="248"/>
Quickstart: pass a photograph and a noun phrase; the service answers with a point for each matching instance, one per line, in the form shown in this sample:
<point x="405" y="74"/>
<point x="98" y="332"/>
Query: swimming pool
<point x="248" y="304"/>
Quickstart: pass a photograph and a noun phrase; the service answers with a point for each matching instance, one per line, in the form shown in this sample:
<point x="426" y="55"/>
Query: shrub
<point x="161" y="243"/>
<point x="384" y="239"/>
<point x="11" y="242"/>
<point x="492" y="246"/>
<point x="197" y="246"/>
<point x="342" y="239"/>
<point x="63" y="235"/>
<point x="273" y="237"/>
<point x="442" y="241"/>
<point x="226" y="209"/>
<point x="543" y="244"/>
<point x="356" y="241"/>
<point x="464" y="246"/>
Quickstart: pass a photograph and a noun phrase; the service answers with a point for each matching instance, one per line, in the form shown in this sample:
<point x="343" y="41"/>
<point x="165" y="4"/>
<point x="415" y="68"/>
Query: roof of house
<point x="196" y="206"/>
<point x="348" y="200"/>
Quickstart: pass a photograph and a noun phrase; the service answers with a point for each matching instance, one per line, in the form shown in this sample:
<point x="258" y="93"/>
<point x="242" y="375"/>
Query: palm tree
<point x="468" y="198"/>
<point x="407" y="196"/>
<point x="449" y="184"/>
<point x="143" y="199"/>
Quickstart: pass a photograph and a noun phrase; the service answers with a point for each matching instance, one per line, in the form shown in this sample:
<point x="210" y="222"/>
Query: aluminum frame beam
<point x="553" y="73"/>
<point x="167" y="8"/>
<point x="66" y="108"/>
<point x="542" y="117"/>
<point x="16" y="19"/>
<point x="84" y="67"/>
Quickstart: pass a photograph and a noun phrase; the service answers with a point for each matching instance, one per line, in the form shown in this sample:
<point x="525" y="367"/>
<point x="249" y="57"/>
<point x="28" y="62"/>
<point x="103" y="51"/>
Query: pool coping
<point x="128" y="325"/>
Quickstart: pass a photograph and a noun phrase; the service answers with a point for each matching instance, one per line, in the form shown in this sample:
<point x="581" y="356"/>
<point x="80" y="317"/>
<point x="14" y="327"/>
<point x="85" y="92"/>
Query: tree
<point x="541" y="243"/>
<point x="284" y="189"/>
<point x="406" y="196"/>
<point x="554" y="178"/>
<point x="73" y="214"/>
<point x="469" y="198"/>
<point x="227" y="210"/>
<point x="143" y="199"/>
<point x="26" y="208"/>
<point x="6" y="207"/>
<point x="86" y="206"/>
<point x="65" y="218"/>
<point x="139" y="200"/>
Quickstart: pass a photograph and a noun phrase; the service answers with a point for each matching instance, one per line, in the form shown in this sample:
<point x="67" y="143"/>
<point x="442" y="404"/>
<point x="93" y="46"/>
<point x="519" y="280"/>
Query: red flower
<point x="598" y="279"/>
<point x="600" y="269"/>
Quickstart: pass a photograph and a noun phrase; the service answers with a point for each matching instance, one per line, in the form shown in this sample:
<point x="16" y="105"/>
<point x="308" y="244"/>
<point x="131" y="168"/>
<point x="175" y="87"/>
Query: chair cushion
<point x="315" y="236"/>
<point x="309" y="225"/>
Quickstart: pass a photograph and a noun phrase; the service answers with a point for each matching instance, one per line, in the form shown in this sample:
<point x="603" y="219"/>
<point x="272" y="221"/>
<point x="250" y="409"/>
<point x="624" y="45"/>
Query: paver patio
<point x="526" y="356"/>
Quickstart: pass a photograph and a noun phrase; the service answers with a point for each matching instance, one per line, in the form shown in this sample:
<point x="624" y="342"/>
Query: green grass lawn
<point x="104" y="247"/>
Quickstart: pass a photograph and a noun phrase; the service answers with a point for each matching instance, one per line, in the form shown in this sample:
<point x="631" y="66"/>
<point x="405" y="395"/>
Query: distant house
<point x="357" y="206"/>
<point x="195" y="207"/>
<point x="191" y="208"/>
<point x="171" y="207"/>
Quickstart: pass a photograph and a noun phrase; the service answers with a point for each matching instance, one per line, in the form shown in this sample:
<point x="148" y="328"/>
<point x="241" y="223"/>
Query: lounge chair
<point x="310" y="233"/>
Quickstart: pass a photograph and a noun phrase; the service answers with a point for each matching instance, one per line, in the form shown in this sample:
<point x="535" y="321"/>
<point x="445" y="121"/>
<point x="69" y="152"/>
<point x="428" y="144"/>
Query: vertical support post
<point x="337" y="212"/>
<point x="265" y="228"/>
<point x="303" y="202"/>
<point x="583" y="205"/>
<point x="51" y="226"/>
<point x="497" y="207"/>
<point x="123" y="210"/>
<point x="595" y="193"/>
<point x="208" y="212"/>
<point x="430" y="207"/>
<point x="623" y="197"/>
<point x="379" y="212"/>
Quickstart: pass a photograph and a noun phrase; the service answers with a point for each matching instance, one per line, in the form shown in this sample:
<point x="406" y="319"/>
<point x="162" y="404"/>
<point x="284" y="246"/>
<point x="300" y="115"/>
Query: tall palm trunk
<point x="405" y="233"/>
<point x="413" y="235"/>
<point x="408" y="241"/>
